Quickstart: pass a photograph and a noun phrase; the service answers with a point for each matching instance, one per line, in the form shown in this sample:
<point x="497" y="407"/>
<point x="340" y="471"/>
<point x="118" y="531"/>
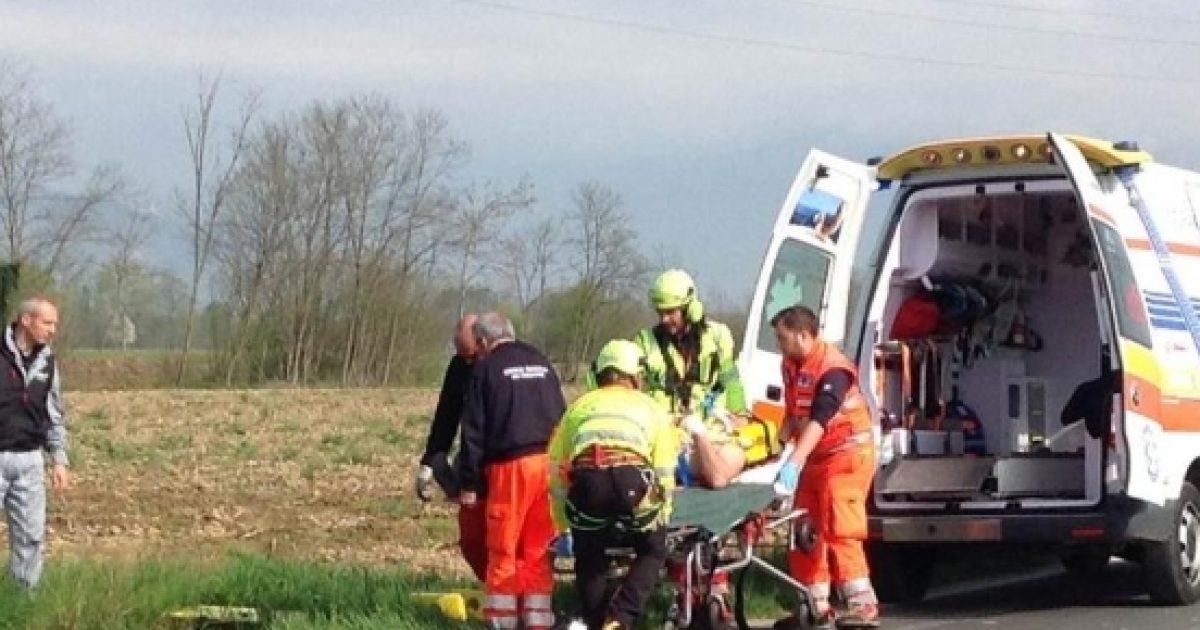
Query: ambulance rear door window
<point x="1132" y="320"/>
<point x="797" y="277"/>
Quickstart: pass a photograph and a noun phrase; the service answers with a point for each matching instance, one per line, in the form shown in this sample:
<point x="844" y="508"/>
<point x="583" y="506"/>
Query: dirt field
<point x="317" y="474"/>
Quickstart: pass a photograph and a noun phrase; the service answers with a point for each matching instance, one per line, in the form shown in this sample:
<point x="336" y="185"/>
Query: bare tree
<point x="41" y="217"/>
<point x="430" y="159"/>
<point x="253" y="236"/>
<point x="530" y="259"/>
<point x="608" y="264"/>
<point x="127" y="239"/>
<point x="212" y="174"/>
<point x="476" y="225"/>
<point x="332" y="221"/>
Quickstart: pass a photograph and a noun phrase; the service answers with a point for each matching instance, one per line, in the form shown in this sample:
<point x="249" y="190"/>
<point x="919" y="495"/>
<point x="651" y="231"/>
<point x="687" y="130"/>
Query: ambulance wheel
<point x="1085" y="561"/>
<point x="1172" y="567"/>
<point x="901" y="574"/>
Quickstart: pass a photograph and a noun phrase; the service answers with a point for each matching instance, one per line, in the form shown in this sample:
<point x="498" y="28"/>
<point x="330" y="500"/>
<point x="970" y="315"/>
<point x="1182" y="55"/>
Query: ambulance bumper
<point x="1118" y="519"/>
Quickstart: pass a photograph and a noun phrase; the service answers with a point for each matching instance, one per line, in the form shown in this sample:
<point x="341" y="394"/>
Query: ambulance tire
<point x="1172" y="567"/>
<point x="901" y="574"/>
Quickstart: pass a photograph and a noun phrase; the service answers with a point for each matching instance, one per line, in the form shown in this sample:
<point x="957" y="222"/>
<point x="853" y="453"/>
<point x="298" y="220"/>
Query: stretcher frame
<point x="699" y="550"/>
<point x="694" y="605"/>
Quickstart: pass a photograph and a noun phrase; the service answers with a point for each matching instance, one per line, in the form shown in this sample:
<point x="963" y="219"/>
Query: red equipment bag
<point x="918" y="317"/>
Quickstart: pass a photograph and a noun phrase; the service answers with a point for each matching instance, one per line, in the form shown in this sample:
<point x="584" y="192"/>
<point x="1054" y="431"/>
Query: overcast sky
<point x="698" y="112"/>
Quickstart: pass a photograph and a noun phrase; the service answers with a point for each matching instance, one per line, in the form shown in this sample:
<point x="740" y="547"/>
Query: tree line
<point x="332" y="243"/>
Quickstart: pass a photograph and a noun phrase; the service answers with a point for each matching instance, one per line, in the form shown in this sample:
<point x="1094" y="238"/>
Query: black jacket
<point x="513" y="404"/>
<point x="449" y="409"/>
<point x="25" y="391"/>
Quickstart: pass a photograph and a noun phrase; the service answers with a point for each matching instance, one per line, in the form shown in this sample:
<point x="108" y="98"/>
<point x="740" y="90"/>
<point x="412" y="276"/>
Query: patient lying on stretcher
<point x="724" y="448"/>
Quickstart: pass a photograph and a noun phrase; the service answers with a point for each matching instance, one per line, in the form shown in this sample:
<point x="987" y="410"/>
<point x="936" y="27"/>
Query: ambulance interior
<point x="987" y="321"/>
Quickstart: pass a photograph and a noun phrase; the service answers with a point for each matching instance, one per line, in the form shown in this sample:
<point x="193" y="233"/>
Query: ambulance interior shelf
<point x="940" y="448"/>
<point x="987" y="238"/>
<point x="1021" y="253"/>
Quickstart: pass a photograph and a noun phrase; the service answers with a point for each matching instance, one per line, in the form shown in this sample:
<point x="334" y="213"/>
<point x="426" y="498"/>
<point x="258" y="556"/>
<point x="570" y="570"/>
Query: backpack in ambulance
<point x="917" y="318"/>
<point x="962" y="417"/>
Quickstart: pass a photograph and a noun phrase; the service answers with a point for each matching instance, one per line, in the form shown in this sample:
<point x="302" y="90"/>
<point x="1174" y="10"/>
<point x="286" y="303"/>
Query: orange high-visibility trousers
<point x="519" y="533"/>
<point x="472" y="539"/>
<point x="834" y="491"/>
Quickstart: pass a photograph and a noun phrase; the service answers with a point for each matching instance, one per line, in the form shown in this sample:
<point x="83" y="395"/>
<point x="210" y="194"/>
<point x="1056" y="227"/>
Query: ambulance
<point x="1023" y="312"/>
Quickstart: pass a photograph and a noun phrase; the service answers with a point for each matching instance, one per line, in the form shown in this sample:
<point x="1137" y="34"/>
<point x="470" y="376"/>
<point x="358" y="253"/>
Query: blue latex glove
<point x="788" y="479"/>
<point x="683" y="471"/>
<point x="564" y="545"/>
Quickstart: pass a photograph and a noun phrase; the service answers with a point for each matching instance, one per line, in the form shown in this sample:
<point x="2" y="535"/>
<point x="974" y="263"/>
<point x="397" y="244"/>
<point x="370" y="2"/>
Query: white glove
<point x="425" y="483"/>
<point x="693" y="425"/>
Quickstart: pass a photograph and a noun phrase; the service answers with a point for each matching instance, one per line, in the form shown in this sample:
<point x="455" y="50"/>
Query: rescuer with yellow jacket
<point x="690" y="371"/>
<point x="612" y="464"/>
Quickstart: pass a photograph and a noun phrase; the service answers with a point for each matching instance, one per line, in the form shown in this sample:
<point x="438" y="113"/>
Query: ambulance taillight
<point x="1115" y="471"/>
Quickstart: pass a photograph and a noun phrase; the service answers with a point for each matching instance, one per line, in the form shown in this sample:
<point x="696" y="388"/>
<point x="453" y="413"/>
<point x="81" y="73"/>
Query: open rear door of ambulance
<point x="807" y="262"/>
<point x="1125" y="333"/>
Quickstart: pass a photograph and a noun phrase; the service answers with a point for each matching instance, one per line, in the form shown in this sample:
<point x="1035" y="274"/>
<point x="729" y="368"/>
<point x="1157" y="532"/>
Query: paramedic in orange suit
<point x="513" y="404"/>
<point x="829" y="423"/>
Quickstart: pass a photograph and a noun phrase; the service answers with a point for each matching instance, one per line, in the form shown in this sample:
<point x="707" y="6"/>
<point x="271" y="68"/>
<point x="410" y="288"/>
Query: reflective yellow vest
<point x="615" y="417"/>
<point x="679" y="387"/>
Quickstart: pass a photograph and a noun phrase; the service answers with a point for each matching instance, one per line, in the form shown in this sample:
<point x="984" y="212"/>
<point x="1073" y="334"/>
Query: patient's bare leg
<point x="716" y="464"/>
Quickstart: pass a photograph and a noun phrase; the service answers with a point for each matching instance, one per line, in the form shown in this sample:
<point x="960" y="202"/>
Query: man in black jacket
<point x="31" y="420"/>
<point x="514" y="403"/>
<point x="435" y="462"/>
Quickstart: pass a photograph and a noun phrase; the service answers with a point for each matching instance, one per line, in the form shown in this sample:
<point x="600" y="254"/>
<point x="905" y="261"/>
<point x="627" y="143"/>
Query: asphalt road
<point x="1040" y="597"/>
<point x="1044" y="597"/>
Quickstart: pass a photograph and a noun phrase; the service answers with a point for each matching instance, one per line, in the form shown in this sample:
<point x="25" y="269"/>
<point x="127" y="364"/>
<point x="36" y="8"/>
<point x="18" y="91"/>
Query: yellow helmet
<point x="622" y="355"/>
<point x="673" y="288"/>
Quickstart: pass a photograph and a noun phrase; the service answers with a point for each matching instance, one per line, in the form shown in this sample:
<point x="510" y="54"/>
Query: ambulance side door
<point x="1138" y="431"/>
<point x="808" y="261"/>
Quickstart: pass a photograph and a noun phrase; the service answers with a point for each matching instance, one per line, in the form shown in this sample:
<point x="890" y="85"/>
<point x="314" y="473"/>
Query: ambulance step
<point x="936" y="477"/>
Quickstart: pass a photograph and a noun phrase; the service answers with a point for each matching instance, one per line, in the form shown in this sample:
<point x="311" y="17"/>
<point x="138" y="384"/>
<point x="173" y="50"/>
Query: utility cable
<point x="822" y="50"/>
<point x="886" y="13"/>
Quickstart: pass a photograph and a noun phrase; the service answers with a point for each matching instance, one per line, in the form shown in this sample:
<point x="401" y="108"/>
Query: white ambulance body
<point x="1087" y="257"/>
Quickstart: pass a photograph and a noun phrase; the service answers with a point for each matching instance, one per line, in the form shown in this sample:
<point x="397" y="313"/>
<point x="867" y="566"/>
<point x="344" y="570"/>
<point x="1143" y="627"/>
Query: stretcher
<point x="714" y="537"/>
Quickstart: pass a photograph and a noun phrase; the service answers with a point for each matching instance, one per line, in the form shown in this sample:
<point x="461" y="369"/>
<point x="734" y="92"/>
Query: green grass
<point x="100" y="594"/>
<point x="117" y="451"/>
<point x="105" y="594"/>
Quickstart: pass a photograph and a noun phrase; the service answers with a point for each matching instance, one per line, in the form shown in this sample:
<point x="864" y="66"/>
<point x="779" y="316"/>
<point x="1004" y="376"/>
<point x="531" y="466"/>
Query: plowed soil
<point x="312" y="474"/>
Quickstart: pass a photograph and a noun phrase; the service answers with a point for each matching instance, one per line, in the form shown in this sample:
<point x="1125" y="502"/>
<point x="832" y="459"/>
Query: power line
<point x="1068" y="12"/>
<point x="849" y="8"/>
<point x="821" y="50"/>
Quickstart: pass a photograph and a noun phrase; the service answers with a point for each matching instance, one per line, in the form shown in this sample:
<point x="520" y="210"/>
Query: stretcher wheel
<point x="739" y="600"/>
<point x="713" y="616"/>
<point x="799" y="607"/>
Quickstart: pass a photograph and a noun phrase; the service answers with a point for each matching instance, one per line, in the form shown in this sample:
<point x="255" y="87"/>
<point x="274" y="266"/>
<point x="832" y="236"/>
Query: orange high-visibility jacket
<point x="800" y="384"/>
